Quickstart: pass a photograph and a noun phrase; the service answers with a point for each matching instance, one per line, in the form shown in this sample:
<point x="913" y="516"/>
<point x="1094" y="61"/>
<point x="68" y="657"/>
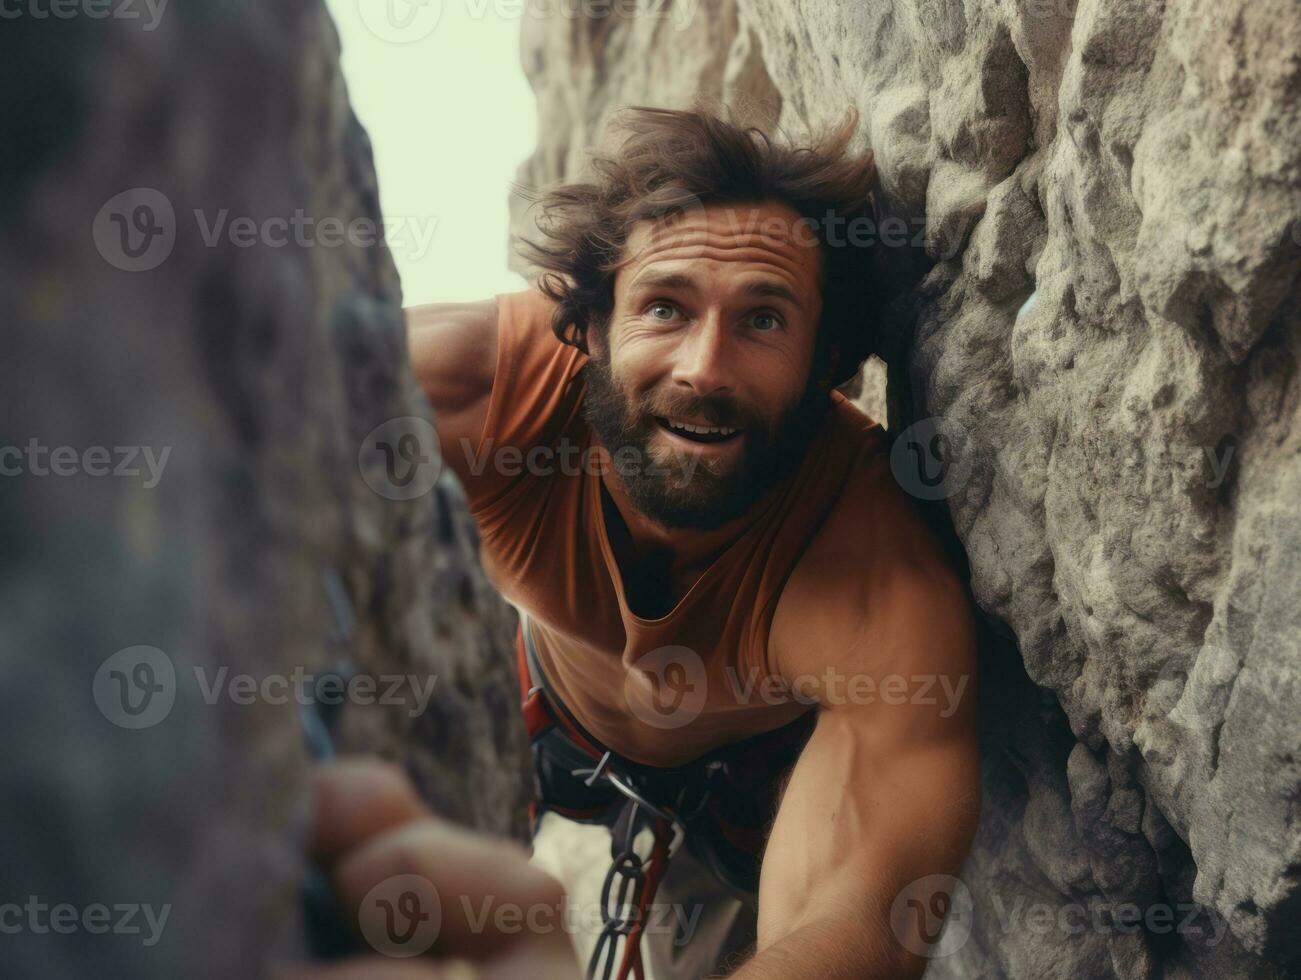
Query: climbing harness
<point x="714" y="805"/>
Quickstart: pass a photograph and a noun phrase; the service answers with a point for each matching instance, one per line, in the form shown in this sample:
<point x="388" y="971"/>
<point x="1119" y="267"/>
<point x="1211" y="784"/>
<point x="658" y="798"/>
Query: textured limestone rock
<point x="1108" y="197"/>
<point x="260" y="371"/>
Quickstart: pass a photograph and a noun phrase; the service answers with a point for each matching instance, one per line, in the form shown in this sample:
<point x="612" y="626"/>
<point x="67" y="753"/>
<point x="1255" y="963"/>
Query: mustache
<point x="714" y="410"/>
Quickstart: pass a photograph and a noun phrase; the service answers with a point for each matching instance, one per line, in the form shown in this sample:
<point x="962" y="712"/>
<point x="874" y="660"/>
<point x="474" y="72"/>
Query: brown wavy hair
<point x="670" y="160"/>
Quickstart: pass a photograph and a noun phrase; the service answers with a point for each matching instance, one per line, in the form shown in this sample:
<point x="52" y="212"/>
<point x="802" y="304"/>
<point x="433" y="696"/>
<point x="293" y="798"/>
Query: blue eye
<point x="661" y="305"/>
<point x="776" y="322"/>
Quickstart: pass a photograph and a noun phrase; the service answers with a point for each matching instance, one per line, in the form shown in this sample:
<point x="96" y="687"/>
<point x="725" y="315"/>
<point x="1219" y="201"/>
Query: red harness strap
<point x="538" y="718"/>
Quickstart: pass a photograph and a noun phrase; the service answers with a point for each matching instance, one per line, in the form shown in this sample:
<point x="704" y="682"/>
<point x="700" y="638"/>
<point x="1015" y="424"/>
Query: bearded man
<point x="735" y="628"/>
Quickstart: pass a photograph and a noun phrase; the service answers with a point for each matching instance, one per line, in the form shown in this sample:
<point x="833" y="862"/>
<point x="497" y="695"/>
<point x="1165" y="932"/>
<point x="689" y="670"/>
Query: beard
<point x="663" y="485"/>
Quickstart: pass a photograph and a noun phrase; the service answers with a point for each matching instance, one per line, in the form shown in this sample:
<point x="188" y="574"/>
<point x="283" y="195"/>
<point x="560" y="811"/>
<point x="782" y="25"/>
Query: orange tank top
<point x="658" y="691"/>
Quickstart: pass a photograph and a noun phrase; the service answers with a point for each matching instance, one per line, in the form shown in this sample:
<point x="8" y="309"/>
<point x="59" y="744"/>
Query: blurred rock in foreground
<point x="186" y="426"/>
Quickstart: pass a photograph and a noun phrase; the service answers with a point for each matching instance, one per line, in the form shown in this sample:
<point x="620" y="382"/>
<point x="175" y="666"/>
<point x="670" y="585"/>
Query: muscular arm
<point x="453" y="349"/>
<point x="887" y="790"/>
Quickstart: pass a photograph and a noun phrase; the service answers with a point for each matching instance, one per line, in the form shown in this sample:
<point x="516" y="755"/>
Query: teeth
<point x="702" y="429"/>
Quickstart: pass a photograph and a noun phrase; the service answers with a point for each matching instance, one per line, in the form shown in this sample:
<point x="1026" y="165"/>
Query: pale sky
<point x="439" y="87"/>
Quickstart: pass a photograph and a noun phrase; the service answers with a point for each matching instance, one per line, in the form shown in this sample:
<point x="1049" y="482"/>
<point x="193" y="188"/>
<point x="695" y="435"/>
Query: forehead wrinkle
<point x="768" y="260"/>
<point x="718" y="239"/>
<point x="781" y="259"/>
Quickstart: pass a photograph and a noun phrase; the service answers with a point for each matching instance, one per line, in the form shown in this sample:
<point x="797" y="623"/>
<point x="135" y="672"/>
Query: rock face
<point x="134" y="595"/>
<point x="1108" y="320"/>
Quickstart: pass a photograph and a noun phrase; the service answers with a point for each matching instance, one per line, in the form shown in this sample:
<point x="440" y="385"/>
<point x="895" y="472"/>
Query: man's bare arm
<point x="887" y="791"/>
<point x="453" y="349"/>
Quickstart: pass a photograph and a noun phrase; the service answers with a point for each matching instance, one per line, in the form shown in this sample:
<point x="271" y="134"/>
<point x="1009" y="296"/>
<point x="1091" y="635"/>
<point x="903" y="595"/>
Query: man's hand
<point x="371" y="829"/>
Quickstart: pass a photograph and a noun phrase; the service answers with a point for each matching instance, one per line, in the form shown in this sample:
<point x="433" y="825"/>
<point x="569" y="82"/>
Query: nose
<point x="702" y="362"/>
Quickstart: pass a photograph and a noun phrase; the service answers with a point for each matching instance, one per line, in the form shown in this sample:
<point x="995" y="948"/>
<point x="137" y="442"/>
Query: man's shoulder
<point x="872" y="521"/>
<point x="533" y="397"/>
<point x="528" y="343"/>
<point x="873" y="565"/>
<point x="534" y="392"/>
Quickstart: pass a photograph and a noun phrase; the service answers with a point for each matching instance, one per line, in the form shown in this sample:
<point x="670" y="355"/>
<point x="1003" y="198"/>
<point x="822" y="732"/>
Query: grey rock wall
<point x="1103" y="205"/>
<point x="255" y="375"/>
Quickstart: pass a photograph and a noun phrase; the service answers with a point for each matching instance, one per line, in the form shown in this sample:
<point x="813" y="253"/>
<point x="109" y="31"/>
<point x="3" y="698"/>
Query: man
<point x="705" y="541"/>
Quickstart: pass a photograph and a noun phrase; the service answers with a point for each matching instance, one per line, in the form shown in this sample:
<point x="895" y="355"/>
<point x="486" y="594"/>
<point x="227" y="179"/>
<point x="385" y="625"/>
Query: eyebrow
<point x="755" y="287"/>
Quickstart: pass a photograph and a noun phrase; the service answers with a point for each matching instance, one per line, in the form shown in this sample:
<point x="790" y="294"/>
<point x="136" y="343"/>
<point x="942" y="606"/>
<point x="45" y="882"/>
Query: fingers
<point x="486" y="892"/>
<point x="357" y="798"/>
<point x="412" y="883"/>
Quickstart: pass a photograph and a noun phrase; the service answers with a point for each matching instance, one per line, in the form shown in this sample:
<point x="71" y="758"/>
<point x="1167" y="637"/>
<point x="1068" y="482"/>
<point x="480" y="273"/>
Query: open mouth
<point x="699" y="433"/>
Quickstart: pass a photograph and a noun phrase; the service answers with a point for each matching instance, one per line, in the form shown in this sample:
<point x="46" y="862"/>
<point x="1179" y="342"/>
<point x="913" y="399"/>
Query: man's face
<point x="714" y="322"/>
